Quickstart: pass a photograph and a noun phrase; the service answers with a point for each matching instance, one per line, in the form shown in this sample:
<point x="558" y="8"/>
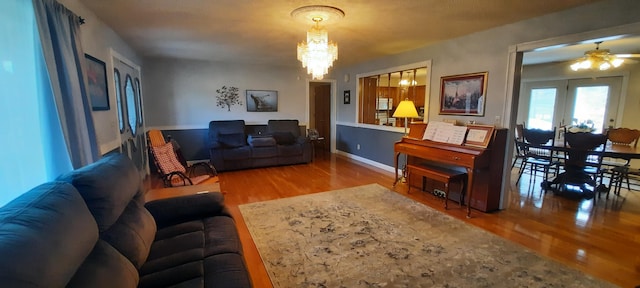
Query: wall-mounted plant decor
<point x="227" y="97"/>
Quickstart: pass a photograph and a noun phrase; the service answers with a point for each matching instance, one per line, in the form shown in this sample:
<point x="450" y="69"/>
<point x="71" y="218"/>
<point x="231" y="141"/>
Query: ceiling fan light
<point x="575" y="66"/>
<point x="617" y="62"/>
<point x="604" y="66"/>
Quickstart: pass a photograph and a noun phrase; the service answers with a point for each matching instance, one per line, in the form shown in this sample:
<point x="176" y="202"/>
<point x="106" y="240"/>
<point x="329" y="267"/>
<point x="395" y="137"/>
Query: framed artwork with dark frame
<point x="347" y="96"/>
<point x="262" y="100"/>
<point x="463" y="94"/>
<point x="97" y="81"/>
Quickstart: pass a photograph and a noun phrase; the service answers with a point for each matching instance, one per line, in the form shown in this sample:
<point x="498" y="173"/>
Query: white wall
<point x="488" y="51"/>
<point x="97" y="40"/>
<point x="181" y="94"/>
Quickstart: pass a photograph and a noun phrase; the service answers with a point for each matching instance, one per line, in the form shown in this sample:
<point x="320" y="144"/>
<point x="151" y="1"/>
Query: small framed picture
<point x="479" y="135"/>
<point x="347" y="96"/>
<point x="97" y="81"/>
<point x="262" y="101"/>
<point x="463" y="94"/>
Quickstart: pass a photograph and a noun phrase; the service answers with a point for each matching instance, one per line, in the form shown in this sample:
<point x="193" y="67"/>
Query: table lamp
<point x="406" y="109"/>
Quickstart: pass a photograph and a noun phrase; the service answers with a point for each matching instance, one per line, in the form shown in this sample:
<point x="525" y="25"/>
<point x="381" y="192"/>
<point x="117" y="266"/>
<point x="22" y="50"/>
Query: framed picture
<point x="97" y="80"/>
<point x="463" y="94"/>
<point x="262" y="101"/>
<point x="479" y="135"/>
<point x="347" y="96"/>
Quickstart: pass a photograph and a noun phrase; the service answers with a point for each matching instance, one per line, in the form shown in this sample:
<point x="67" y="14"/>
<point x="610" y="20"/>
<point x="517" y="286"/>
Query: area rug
<point x="368" y="236"/>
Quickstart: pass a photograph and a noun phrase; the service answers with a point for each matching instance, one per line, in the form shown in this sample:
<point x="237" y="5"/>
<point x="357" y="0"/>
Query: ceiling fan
<point x="601" y="59"/>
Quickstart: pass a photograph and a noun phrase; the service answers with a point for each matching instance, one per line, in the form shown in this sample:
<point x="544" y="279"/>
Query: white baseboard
<point x="366" y="161"/>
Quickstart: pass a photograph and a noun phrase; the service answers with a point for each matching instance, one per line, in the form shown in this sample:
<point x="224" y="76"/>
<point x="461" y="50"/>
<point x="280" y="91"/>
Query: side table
<point x="168" y="192"/>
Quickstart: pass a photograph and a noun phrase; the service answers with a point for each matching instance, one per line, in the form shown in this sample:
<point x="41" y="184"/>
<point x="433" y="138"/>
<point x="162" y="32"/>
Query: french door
<point x="130" y="117"/>
<point x="592" y="102"/>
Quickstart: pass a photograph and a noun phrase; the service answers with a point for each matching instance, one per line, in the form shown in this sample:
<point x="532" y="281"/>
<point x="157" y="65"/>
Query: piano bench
<point x="440" y="174"/>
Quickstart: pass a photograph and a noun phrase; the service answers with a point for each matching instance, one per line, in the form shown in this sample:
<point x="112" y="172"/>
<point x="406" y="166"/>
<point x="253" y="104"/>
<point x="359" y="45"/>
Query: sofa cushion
<point x="167" y="159"/>
<point x="239" y="153"/>
<point x="105" y="267"/>
<point x="46" y="233"/>
<point x="226" y="270"/>
<point x="107" y="186"/>
<point x="284" y="138"/>
<point x="261" y="141"/>
<point x="289" y="150"/>
<point x="133" y="233"/>
<point x="232" y="140"/>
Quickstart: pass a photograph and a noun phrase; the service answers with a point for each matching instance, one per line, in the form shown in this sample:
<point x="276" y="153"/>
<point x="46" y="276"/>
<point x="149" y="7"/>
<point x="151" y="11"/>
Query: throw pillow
<point x="232" y="140"/>
<point x="284" y="138"/>
<point x="167" y="159"/>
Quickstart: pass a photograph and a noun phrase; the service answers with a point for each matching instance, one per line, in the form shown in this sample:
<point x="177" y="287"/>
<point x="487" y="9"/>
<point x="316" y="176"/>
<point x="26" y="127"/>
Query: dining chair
<point x="539" y="154"/>
<point x="583" y="161"/>
<point x="519" y="145"/>
<point x="616" y="167"/>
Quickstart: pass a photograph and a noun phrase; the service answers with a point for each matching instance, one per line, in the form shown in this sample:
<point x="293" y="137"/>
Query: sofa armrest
<point x="302" y="139"/>
<point x="170" y="211"/>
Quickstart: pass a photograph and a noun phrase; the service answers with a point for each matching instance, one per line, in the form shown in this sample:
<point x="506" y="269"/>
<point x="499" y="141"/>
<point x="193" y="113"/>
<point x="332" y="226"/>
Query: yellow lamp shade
<point x="406" y="109"/>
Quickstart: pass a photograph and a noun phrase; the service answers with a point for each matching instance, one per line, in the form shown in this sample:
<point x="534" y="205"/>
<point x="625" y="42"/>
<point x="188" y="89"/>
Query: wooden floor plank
<point x="602" y="239"/>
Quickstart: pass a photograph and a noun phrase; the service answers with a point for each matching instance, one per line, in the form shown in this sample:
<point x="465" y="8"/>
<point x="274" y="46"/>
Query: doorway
<point x="133" y="142"/>
<point x="572" y="102"/>
<point x="320" y="113"/>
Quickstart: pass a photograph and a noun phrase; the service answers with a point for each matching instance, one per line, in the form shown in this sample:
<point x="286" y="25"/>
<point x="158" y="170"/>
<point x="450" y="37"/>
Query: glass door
<point x="593" y="103"/>
<point x="540" y="104"/>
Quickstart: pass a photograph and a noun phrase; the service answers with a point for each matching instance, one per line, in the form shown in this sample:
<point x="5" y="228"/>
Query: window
<point x="116" y="79"/>
<point x="132" y="110"/>
<point x="590" y="106"/>
<point x="379" y="93"/>
<point x="139" y="98"/>
<point x="541" y="107"/>
<point x="34" y="150"/>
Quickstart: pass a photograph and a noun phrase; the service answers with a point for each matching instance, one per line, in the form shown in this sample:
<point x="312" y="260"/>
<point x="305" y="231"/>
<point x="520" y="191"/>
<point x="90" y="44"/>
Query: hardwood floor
<point x="601" y="239"/>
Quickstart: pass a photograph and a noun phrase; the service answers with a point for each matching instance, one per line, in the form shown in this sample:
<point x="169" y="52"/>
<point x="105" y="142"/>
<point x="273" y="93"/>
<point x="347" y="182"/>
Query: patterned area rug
<point x="369" y="236"/>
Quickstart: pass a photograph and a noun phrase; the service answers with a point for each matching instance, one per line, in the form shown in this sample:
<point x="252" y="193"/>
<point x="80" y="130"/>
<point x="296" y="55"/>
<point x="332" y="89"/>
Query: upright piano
<point x="484" y="166"/>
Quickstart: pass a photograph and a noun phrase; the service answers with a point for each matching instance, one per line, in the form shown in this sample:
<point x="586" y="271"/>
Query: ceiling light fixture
<point x="317" y="53"/>
<point x="597" y="59"/>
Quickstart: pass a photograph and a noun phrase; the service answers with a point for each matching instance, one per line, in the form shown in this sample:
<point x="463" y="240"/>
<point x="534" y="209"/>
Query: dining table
<point x="615" y="151"/>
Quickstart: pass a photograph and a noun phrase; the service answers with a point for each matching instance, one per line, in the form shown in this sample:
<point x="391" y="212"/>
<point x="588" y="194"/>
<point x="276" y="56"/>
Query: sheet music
<point x="432" y="129"/>
<point x="457" y="135"/>
<point x="450" y="134"/>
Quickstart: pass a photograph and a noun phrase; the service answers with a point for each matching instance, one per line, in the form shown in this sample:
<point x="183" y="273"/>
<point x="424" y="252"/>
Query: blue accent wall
<point x="375" y="145"/>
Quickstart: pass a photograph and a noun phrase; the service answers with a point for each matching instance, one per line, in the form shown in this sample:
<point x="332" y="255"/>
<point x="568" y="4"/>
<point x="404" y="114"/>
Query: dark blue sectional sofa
<point x="92" y="228"/>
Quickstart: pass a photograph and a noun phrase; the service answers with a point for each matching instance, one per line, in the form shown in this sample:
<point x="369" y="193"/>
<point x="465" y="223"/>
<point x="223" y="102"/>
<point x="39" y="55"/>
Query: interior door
<point x="593" y="100"/>
<point x="323" y="112"/>
<point x="130" y="117"/>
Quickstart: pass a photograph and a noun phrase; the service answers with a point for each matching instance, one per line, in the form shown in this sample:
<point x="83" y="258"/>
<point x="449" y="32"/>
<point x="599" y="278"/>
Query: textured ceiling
<point x="262" y="31"/>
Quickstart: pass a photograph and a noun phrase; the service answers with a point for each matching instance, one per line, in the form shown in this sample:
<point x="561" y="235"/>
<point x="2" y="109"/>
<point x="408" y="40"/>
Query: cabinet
<point x="384" y="109"/>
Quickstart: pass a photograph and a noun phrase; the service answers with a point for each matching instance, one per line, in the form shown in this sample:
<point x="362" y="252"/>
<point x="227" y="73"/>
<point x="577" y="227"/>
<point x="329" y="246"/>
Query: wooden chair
<point x="619" y="170"/>
<point x="172" y="168"/>
<point x="520" y="147"/>
<point x="582" y="165"/>
<point x="539" y="153"/>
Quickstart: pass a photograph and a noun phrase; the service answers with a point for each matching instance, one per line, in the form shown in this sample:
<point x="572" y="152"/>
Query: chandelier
<point x="317" y="53"/>
<point x="597" y="59"/>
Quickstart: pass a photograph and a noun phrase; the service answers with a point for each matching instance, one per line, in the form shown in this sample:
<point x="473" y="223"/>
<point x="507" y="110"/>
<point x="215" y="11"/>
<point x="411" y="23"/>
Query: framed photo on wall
<point x="262" y="101"/>
<point x="347" y="96"/>
<point x="97" y="81"/>
<point x="463" y="94"/>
